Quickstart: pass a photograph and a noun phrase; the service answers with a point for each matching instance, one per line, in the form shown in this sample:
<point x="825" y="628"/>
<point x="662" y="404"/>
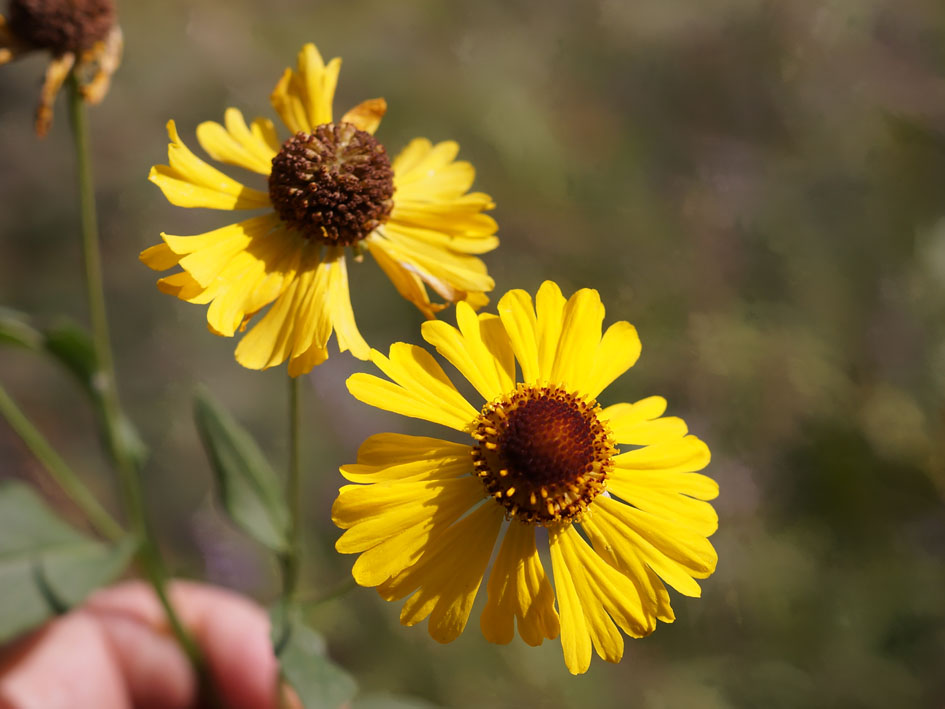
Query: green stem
<point x="293" y="495"/>
<point x="148" y="555"/>
<point x="70" y="483"/>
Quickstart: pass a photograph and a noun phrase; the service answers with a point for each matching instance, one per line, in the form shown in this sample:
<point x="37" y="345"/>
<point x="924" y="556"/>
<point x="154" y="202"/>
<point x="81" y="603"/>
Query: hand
<point x="116" y="652"/>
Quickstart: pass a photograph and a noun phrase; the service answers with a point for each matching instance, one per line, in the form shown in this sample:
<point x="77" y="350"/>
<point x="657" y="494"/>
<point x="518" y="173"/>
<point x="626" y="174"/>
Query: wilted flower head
<point x="282" y="275"/>
<point x="83" y="37"/>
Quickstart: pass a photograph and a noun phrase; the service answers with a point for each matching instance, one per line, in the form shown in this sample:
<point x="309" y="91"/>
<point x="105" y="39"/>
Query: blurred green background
<point x="758" y="186"/>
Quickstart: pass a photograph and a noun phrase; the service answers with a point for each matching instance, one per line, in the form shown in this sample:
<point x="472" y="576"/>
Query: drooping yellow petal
<point x="366" y="115"/>
<point x="313" y="325"/>
<point x="339" y="305"/>
<point x="518" y="317"/>
<point x="407" y="282"/>
<point x="519" y="589"/>
<point x="450" y="274"/>
<point x="188" y="181"/>
<point x="677" y="553"/>
<point x="452" y="242"/>
<point x="618" y="350"/>
<point x="270" y="341"/>
<point x="303" y="98"/>
<point x="236" y="144"/>
<point x="645" y="601"/>
<point x="205" y="256"/>
<point x="448" y="575"/>
<point x="575" y="636"/>
<point x="481" y="359"/>
<point x="462" y="216"/>
<point x="396" y="456"/>
<point x="419" y="389"/>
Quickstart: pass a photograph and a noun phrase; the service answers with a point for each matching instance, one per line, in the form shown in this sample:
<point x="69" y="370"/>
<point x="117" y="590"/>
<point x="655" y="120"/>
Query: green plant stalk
<point x="291" y="560"/>
<point x="148" y="555"/>
<point x="57" y="468"/>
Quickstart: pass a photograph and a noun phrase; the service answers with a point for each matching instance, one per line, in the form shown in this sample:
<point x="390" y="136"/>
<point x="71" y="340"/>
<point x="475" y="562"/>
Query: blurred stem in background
<point x="70" y="483"/>
<point x="129" y="475"/>
<point x="290" y="560"/>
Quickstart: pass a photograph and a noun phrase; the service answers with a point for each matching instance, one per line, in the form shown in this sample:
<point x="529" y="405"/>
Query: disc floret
<point x="543" y="453"/>
<point x="334" y="186"/>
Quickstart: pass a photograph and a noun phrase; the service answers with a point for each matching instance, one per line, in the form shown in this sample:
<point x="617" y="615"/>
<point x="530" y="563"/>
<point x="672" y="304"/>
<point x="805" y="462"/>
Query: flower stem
<point x="293" y="495"/>
<point x="148" y="555"/>
<point x="70" y="483"/>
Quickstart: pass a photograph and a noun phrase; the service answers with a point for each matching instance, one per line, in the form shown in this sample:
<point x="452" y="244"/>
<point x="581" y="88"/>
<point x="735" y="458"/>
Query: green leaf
<point x="251" y="492"/>
<point x="71" y="346"/>
<point x="319" y="682"/>
<point x="46" y="566"/>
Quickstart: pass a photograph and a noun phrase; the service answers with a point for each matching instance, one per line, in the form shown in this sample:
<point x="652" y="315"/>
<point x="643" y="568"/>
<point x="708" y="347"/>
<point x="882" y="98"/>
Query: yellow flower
<point x="330" y="186"/>
<point x="83" y="37"/>
<point x="425" y="514"/>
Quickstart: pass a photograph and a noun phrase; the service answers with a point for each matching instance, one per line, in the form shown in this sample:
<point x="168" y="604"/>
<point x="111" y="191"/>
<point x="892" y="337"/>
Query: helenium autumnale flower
<point x="331" y="188"/>
<point x="614" y="490"/>
<point x="83" y="37"/>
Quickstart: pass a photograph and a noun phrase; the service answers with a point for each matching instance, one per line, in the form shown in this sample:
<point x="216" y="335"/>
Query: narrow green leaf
<point x="46" y="565"/>
<point x="319" y="682"/>
<point x="251" y="492"/>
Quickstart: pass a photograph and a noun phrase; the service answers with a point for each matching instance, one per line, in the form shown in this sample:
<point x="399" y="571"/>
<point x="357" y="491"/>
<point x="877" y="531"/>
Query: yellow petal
<point x="685" y="455"/>
<point x="521" y="325"/>
<point x="339" y="305"/>
<point x="270" y="341"/>
<point x="575" y="636"/>
<point x="303" y="99"/>
<point x="395" y="456"/>
<point x="450" y="274"/>
<point x="549" y="308"/>
<point x="159" y="257"/>
<point x="188" y="181"/>
<point x="461" y="216"/>
<point x="458" y="243"/>
<point x="407" y="282"/>
<point x="420" y="388"/>
<point x="235" y="144"/>
<point x="580" y="336"/>
<point x="479" y="360"/>
<point x="677" y="553"/>
<point x="449" y="574"/>
<point x="519" y="589"/>
<point x="618" y="350"/>
<point x="366" y="115"/>
<point x="697" y="515"/>
<point x="646" y="599"/>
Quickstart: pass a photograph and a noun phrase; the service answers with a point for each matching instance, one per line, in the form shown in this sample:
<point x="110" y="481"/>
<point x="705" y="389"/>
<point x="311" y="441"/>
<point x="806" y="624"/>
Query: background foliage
<point x="758" y="186"/>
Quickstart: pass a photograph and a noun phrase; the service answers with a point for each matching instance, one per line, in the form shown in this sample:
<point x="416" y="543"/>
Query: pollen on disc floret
<point x="543" y="453"/>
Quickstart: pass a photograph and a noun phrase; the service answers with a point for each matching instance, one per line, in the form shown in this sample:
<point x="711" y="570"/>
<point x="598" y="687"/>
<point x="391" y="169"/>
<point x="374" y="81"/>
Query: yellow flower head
<point x="83" y="37"/>
<point x="330" y="186"/>
<point x="614" y="488"/>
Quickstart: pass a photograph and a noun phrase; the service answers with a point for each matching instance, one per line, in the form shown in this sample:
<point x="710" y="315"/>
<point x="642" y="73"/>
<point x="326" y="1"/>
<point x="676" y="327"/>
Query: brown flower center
<point x="543" y="454"/>
<point x="61" y="25"/>
<point x="334" y="185"/>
